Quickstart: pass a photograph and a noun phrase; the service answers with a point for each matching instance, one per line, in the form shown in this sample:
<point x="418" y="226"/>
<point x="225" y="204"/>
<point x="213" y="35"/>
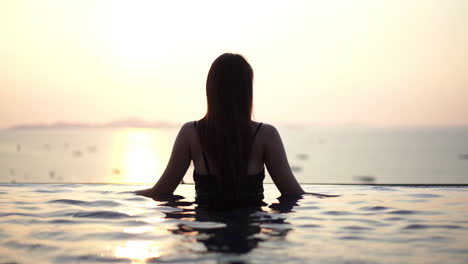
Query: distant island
<point x="121" y="123"/>
<point x="134" y="122"/>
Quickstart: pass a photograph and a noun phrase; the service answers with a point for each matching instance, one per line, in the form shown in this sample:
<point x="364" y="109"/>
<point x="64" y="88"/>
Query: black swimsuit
<point x="208" y="194"/>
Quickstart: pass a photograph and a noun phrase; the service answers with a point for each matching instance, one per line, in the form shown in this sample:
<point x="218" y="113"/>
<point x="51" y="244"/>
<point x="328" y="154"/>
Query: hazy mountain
<point x="120" y="123"/>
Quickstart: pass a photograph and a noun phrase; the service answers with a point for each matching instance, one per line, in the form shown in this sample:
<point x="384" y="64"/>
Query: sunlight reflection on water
<point x="107" y="223"/>
<point x="138" y="251"/>
<point x="138" y="155"/>
<point x="132" y="155"/>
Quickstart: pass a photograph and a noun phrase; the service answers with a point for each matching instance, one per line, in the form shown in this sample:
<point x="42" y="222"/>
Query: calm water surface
<point x="316" y="154"/>
<point x="84" y="223"/>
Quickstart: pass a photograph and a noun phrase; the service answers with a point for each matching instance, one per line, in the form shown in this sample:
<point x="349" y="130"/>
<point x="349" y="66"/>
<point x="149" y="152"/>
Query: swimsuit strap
<point x="256" y="131"/>
<point x="203" y="153"/>
<point x="254" y="135"/>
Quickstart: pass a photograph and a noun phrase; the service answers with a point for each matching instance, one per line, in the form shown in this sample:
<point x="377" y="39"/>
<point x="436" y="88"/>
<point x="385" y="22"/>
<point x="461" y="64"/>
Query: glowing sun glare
<point x="137" y="156"/>
<point x="136" y="31"/>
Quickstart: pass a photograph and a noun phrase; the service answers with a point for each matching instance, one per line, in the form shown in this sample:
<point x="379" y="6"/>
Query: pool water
<point x="107" y="223"/>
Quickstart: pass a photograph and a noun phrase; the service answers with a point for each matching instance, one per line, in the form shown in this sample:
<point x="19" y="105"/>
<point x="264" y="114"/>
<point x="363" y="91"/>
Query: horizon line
<point x="133" y="122"/>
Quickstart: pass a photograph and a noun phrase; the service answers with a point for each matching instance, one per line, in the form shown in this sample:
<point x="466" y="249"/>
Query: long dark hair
<point x="225" y="131"/>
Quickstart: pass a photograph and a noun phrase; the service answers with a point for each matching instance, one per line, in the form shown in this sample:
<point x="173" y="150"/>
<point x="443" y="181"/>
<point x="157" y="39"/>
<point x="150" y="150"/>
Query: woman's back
<point x="208" y="192"/>
<point x="255" y="162"/>
<point x="222" y="146"/>
<point x="267" y="150"/>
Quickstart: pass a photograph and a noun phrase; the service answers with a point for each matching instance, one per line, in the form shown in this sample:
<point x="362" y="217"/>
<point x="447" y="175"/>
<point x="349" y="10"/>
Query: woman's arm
<point x="176" y="167"/>
<point x="278" y="166"/>
<point x="277" y="163"/>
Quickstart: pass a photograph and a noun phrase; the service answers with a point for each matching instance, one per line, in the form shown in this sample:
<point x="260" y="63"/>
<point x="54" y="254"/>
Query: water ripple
<point x="29" y="246"/>
<point x="17" y="214"/>
<point x="352" y="238"/>
<point x="84" y="224"/>
<point x="374" y="208"/>
<point x="418" y="226"/>
<point x="336" y="213"/>
<point x="357" y="228"/>
<point x="100" y="214"/>
<point x="67" y="201"/>
<point x="403" y="212"/>
<point x="89" y="259"/>
<point x="424" y="195"/>
<point x="96" y="203"/>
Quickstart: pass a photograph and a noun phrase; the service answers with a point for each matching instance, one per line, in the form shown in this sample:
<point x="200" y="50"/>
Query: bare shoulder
<point x="267" y="135"/>
<point x="188" y="130"/>
<point x="267" y="130"/>
<point x="188" y="126"/>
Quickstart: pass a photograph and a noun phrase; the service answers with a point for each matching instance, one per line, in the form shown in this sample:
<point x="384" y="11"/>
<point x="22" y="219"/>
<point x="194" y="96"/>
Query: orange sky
<point x="376" y="62"/>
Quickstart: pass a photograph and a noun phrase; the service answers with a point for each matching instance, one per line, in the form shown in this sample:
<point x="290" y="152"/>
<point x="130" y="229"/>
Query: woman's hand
<point x="146" y="192"/>
<point x="176" y="168"/>
<point x="319" y="195"/>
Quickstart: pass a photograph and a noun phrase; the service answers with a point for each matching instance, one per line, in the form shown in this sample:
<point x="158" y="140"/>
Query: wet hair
<point x="225" y="131"/>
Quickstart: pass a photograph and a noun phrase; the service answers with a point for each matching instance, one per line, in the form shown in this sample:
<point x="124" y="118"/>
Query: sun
<point x="135" y="33"/>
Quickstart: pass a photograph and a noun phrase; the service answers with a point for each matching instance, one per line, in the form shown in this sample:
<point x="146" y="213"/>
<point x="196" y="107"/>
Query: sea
<point x="67" y="196"/>
<point x="317" y="155"/>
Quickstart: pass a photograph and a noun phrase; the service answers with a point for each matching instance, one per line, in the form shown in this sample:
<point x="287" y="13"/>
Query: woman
<point x="227" y="148"/>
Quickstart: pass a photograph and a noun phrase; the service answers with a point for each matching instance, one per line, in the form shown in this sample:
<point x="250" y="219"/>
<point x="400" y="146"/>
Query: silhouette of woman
<point x="228" y="149"/>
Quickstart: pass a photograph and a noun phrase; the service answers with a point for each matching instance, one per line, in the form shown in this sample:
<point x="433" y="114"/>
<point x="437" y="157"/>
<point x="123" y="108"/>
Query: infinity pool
<point x="88" y="223"/>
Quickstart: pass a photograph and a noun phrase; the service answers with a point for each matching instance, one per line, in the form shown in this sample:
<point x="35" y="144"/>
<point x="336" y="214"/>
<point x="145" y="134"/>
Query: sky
<point x="378" y="63"/>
